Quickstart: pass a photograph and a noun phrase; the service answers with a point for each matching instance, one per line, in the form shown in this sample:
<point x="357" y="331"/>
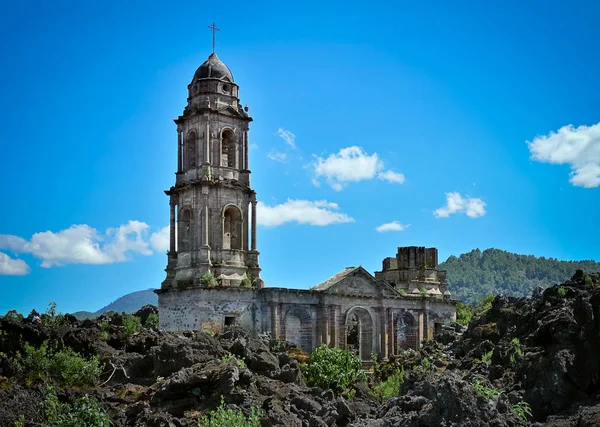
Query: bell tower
<point x="213" y="207"/>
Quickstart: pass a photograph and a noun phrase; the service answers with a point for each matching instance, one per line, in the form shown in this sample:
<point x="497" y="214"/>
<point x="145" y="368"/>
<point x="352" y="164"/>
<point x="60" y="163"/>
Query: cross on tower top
<point x="214" y="29"/>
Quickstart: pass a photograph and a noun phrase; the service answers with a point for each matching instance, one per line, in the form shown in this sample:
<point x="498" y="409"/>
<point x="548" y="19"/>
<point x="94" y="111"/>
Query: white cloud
<point x="391" y="176"/>
<point x="302" y="212"/>
<point x="455" y="203"/>
<point x="82" y="244"/>
<point x="392" y="226"/>
<point x="578" y="147"/>
<point x="352" y="164"/>
<point x="288" y="137"/>
<point x="277" y="156"/>
<point x="12" y="267"/>
<point x="160" y="240"/>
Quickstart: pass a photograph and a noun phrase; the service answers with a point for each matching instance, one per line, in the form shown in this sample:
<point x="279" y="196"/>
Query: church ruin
<point x="213" y="274"/>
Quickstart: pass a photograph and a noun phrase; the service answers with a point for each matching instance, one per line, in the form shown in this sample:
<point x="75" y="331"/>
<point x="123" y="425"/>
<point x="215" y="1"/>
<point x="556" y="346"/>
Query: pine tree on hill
<point x="475" y="274"/>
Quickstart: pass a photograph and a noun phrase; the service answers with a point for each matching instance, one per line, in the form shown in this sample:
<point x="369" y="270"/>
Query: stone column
<point x="383" y="344"/>
<point x="390" y="316"/>
<point x="172" y="228"/>
<point x="246" y="166"/>
<point x="253" y="225"/>
<point x="179" y="150"/>
<point x="206" y="224"/>
<point x="208" y="144"/>
<point x="274" y="320"/>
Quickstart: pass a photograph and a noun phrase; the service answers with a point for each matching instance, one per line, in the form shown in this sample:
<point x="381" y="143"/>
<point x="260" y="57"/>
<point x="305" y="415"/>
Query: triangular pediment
<point x="356" y="281"/>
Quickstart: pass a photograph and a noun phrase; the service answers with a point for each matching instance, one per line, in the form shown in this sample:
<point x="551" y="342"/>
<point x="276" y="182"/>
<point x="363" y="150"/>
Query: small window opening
<point x="437" y="329"/>
<point x="230" y="320"/>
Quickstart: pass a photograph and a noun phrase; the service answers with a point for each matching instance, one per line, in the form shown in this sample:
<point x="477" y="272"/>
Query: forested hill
<point x="476" y="274"/>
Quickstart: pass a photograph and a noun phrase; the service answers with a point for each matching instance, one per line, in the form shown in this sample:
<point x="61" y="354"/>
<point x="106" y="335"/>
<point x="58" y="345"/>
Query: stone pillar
<point x="208" y="143"/>
<point x="390" y="318"/>
<point x="206" y="219"/>
<point x="172" y="228"/>
<point x="274" y="320"/>
<point x="246" y="166"/>
<point x="253" y="225"/>
<point x="179" y="150"/>
<point x="333" y="333"/>
<point x="383" y="344"/>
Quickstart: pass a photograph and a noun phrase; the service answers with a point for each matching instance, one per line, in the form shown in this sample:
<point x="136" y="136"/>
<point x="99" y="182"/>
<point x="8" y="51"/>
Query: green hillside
<point x="475" y="274"/>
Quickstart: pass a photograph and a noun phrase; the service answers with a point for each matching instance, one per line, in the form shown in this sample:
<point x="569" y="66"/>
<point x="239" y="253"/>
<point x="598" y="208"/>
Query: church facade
<point x="213" y="273"/>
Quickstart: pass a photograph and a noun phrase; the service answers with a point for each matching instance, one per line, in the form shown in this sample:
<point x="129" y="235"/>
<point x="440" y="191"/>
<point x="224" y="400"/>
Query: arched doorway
<point x="406" y="332"/>
<point x="232" y="228"/>
<point x="359" y="332"/>
<point x="298" y="327"/>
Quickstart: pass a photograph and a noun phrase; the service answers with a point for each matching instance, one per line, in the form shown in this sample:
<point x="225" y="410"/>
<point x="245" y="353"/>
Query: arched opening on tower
<point x="190" y="155"/>
<point x="232" y="228"/>
<point x="184" y="231"/>
<point x="228" y="149"/>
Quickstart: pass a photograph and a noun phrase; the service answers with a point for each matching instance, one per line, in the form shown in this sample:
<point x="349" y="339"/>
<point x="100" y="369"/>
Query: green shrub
<point x="83" y="412"/>
<point x="151" y="321"/>
<point x="515" y="344"/>
<point x="464" y="313"/>
<point x="104" y="330"/>
<point x="483" y="390"/>
<point x="54" y="324"/>
<point x="390" y="387"/>
<point x="562" y="291"/>
<point x="13" y="315"/>
<point x="208" y="280"/>
<point x="522" y="410"/>
<point x="486" y="303"/>
<point x="333" y="368"/>
<point x="228" y="357"/>
<point x="131" y="324"/>
<point x="64" y="367"/>
<point x="223" y="417"/>
<point x="486" y="358"/>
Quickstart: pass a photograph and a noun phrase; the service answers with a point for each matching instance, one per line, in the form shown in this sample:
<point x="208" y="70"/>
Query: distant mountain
<point x="80" y="315"/>
<point x="474" y="275"/>
<point x="129" y="303"/>
<point x="132" y="302"/>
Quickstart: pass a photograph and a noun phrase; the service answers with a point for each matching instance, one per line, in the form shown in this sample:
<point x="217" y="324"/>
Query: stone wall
<point x="385" y="324"/>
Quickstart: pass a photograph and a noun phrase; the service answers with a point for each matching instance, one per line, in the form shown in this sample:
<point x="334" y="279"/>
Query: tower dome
<point x="213" y="68"/>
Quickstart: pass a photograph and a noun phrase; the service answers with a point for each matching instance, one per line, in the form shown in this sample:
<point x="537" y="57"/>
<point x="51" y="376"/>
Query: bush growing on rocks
<point x="64" y="367"/>
<point x="224" y="417"/>
<point x="84" y="412"/>
<point x="333" y="368"/>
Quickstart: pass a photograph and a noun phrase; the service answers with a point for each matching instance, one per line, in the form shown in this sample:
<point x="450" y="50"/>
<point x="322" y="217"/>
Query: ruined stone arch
<point x="190" y="150"/>
<point x="228" y="148"/>
<point x="233" y="226"/>
<point x="406" y="331"/>
<point x="297" y="327"/>
<point x="359" y="329"/>
<point x="184" y="229"/>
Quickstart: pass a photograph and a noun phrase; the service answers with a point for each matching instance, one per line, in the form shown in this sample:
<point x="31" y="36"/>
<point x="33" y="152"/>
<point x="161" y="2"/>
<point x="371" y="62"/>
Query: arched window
<point x="232" y="228"/>
<point x="190" y="154"/>
<point x="228" y="149"/>
<point x="184" y="231"/>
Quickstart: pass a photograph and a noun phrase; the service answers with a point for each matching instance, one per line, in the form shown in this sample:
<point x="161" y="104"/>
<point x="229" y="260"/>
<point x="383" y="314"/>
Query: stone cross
<point x="214" y="29"/>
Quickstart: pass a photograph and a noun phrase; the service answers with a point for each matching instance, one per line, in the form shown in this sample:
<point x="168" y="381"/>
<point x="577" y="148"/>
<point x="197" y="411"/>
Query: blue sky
<point x="486" y="113"/>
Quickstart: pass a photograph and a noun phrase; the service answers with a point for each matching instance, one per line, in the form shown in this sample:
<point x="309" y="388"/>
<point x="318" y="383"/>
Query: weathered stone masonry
<point x="213" y="215"/>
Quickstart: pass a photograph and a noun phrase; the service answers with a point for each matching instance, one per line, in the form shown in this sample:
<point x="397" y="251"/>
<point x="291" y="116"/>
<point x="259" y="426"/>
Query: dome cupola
<point x="213" y="68"/>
